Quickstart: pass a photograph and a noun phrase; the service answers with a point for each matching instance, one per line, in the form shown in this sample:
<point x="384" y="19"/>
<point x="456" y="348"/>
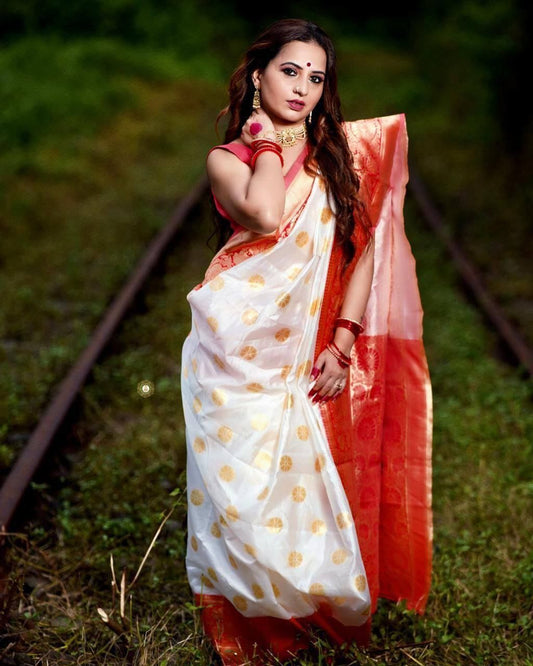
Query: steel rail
<point x="56" y="412"/>
<point x="515" y="343"/>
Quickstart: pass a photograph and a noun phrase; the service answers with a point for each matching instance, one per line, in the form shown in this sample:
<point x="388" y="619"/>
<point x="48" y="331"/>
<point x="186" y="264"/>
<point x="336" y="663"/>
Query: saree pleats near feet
<point x="302" y="515"/>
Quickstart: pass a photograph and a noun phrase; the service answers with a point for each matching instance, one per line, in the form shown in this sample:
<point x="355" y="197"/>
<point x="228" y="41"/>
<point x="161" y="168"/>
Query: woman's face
<point x="292" y="83"/>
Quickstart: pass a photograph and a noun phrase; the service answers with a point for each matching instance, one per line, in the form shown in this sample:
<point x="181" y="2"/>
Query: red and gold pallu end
<point x="380" y="429"/>
<point x="405" y="543"/>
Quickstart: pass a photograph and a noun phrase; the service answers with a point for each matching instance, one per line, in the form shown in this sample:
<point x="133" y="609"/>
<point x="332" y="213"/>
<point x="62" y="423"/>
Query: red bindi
<point x="309" y="64"/>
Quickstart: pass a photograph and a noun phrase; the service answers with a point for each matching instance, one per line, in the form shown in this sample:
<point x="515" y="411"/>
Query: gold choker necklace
<point x="289" y="137"/>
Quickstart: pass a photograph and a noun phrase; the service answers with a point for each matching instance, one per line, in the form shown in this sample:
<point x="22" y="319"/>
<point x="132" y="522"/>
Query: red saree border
<point x="240" y="639"/>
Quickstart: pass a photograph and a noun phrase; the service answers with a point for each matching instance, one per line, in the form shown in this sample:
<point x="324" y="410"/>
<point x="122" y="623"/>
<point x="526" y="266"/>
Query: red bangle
<point x="261" y="143"/>
<point x="339" y="359"/>
<point x="344" y="357"/>
<point x="343" y="360"/>
<point x="350" y="324"/>
<point x="266" y="149"/>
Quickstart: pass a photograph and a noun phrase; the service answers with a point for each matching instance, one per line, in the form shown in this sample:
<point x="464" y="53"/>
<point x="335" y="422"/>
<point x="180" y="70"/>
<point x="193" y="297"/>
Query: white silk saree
<point x="279" y="488"/>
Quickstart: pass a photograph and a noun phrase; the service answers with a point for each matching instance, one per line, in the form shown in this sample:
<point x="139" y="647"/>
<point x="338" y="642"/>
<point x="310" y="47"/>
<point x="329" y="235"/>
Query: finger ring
<point x="255" y="128"/>
<point x="338" y="386"/>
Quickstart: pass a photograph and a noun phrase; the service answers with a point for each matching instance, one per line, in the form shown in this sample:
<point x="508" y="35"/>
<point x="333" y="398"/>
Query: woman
<point x="308" y="429"/>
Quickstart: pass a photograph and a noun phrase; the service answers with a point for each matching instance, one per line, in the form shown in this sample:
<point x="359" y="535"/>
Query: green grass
<point x="56" y="92"/>
<point x="479" y="610"/>
<point x="80" y="212"/>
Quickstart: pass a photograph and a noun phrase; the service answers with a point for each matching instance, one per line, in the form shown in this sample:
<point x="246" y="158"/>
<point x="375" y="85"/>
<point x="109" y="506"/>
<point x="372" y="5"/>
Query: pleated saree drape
<point x="303" y="515"/>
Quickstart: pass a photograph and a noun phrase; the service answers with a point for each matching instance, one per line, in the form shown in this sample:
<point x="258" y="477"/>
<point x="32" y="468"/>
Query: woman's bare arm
<point x="356" y="298"/>
<point x="327" y="371"/>
<point x="254" y="199"/>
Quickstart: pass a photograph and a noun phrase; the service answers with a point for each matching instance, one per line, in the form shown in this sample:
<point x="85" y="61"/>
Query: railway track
<point x="34" y="453"/>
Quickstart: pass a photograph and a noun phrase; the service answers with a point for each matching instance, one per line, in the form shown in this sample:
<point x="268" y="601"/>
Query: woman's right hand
<point x="267" y="130"/>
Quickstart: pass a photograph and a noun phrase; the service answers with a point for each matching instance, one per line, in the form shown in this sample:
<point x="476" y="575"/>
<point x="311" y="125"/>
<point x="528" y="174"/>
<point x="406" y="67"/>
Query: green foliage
<point x="465" y="56"/>
<point x="187" y="28"/>
<point x="56" y="92"/>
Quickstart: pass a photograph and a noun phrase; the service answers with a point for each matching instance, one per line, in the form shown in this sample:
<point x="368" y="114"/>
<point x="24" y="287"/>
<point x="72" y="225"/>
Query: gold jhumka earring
<point x="256" y="103"/>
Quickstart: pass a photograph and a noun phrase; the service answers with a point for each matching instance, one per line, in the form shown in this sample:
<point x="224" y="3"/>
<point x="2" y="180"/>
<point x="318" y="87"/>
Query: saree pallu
<point x="302" y="515"/>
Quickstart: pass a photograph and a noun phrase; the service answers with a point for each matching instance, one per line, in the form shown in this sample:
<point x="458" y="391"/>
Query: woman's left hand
<point x="330" y="378"/>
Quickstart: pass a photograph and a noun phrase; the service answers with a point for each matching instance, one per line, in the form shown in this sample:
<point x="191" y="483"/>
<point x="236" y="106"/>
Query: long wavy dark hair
<point x="329" y="149"/>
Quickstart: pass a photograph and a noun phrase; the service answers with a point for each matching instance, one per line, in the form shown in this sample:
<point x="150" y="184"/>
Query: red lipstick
<point x="296" y="104"/>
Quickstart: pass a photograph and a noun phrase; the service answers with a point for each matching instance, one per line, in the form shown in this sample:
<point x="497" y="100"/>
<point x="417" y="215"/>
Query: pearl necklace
<point x="289" y="137"/>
